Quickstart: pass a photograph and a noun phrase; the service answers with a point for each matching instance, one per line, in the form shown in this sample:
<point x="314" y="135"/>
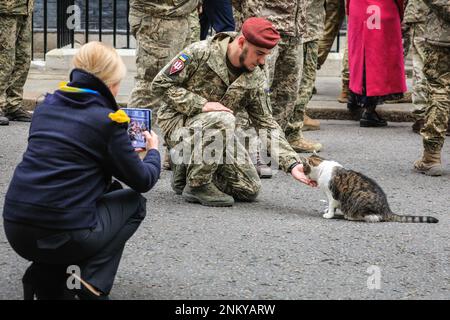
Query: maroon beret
<point x="260" y="32"/>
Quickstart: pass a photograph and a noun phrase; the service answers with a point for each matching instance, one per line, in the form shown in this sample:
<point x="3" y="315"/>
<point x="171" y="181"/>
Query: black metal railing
<point x="97" y="18"/>
<point x="94" y="20"/>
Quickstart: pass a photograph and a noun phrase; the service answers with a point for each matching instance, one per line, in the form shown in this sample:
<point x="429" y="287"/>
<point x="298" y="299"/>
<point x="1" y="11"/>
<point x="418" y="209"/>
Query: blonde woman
<point x="62" y="211"/>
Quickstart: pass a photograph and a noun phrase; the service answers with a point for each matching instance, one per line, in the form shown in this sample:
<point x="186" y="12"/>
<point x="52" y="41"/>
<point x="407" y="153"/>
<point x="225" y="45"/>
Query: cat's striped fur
<point x="359" y="197"/>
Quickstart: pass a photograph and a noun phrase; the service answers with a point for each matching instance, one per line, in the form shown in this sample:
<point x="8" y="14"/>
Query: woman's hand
<point x="152" y="140"/>
<point x="298" y="174"/>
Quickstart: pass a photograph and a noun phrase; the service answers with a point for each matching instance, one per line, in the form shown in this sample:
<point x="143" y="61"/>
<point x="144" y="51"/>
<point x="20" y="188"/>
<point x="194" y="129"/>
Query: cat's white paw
<point x="328" y="215"/>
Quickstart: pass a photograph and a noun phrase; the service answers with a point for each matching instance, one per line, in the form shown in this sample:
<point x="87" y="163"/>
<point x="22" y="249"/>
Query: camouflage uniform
<point x="437" y="73"/>
<point x="334" y="16"/>
<point x="161" y="29"/>
<point x="194" y="28"/>
<point x="15" y="52"/>
<point x="283" y="67"/>
<point x="414" y="21"/>
<point x="314" y="15"/>
<point x="206" y="78"/>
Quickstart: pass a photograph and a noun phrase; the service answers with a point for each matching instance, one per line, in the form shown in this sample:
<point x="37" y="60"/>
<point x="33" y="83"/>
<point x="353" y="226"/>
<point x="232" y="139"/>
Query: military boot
<point x="19" y="115"/>
<point x="310" y="124"/>
<point x="178" y="181"/>
<point x="303" y="145"/>
<point x="4" y="121"/>
<point x="430" y="164"/>
<point x="207" y="195"/>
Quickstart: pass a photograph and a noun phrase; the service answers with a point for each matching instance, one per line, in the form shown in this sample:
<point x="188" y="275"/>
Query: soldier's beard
<point x="242" y="59"/>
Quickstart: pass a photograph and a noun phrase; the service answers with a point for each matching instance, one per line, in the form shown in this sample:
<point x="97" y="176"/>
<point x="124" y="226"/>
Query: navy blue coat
<point x="74" y="150"/>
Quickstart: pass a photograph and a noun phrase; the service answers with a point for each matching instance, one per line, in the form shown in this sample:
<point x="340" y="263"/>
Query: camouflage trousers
<point x="345" y="72"/>
<point x="207" y="137"/>
<point x="15" y="59"/>
<point x="283" y="72"/>
<point x="334" y="16"/>
<point x="419" y="95"/>
<point x="194" y="28"/>
<point x="310" y="54"/>
<point x="158" y="41"/>
<point x="437" y="112"/>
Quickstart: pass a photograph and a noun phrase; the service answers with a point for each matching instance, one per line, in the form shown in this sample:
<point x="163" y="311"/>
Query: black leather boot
<point x="45" y="282"/>
<point x="370" y="118"/>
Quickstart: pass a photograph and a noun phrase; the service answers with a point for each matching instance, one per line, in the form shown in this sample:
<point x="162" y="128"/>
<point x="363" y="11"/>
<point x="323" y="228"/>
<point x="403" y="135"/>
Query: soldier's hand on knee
<point x="298" y="174"/>
<point x="214" y="107"/>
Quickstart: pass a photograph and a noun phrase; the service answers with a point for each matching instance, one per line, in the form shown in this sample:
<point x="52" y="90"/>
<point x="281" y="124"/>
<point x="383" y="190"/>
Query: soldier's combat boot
<point x="303" y="145"/>
<point x="264" y="171"/>
<point x="430" y="164"/>
<point x="407" y="98"/>
<point x="3" y="120"/>
<point x="178" y="181"/>
<point x="207" y="195"/>
<point x="310" y="124"/>
<point x="19" y="115"/>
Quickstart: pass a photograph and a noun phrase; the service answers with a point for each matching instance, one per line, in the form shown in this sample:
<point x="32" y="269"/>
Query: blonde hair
<point x="102" y="61"/>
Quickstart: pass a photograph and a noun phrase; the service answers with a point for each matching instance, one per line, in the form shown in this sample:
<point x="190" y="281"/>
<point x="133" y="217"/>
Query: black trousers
<point x="97" y="252"/>
<point x="217" y="14"/>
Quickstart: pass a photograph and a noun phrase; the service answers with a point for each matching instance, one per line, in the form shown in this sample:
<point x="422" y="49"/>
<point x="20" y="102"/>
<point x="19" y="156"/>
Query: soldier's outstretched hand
<point x="215" y="106"/>
<point x="298" y="174"/>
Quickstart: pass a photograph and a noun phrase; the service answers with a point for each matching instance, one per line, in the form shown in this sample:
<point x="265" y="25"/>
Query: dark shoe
<point x="448" y="130"/>
<point x="314" y="90"/>
<point x="178" y="181"/>
<point x="418" y="125"/>
<point x="207" y="195"/>
<point x="19" y="115"/>
<point x="355" y="110"/>
<point x="45" y="282"/>
<point x="371" y="119"/>
<point x="4" y="121"/>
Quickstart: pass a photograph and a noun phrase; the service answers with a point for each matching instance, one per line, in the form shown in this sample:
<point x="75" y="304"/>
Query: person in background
<point x="218" y="15"/>
<point x="15" y="58"/>
<point x="377" y="70"/>
<point x="62" y="207"/>
<point x="437" y="73"/>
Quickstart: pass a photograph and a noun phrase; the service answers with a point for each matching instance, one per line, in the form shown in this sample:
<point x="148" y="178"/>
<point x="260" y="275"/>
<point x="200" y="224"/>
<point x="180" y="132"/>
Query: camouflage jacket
<point x="16" y="7"/>
<point x="163" y="8"/>
<point x="285" y="15"/>
<point x="205" y="79"/>
<point x="416" y="11"/>
<point x="438" y="23"/>
<point x="313" y="15"/>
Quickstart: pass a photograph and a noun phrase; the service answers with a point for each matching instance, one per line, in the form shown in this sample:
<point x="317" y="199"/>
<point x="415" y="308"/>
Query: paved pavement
<point x="280" y="247"/>
<point x="323" y="105"/>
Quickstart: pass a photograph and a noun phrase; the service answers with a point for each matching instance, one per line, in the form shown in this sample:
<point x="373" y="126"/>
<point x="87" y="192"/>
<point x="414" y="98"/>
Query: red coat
<point x="374" y="36"/>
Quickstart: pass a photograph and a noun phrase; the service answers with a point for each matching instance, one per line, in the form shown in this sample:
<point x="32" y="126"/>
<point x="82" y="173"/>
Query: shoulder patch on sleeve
<point x="179" y="64"/>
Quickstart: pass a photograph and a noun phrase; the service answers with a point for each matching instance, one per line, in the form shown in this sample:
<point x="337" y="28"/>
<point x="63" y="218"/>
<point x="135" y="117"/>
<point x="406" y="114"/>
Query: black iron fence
<point x="63" y="23"/>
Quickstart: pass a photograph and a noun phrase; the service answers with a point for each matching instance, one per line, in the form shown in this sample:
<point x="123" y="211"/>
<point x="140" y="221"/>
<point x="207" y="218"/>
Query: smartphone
<point x="140" y="121"/>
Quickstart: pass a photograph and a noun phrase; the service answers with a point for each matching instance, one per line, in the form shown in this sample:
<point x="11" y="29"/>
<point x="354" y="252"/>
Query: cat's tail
<point x="392" y="217"/>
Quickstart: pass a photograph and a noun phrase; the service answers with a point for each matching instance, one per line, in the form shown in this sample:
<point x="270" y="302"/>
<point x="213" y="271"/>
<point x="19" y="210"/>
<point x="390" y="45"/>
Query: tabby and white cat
<point x="359" y="197"/>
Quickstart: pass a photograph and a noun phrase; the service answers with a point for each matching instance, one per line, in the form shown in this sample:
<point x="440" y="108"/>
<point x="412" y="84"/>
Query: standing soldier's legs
<point x="345" y="76"/>
<point x="437" y="114"/>
<point x="310" y="54"/>
<point x="8" y="36"/>
<point x="14" y="93"/>
<point x="158" y="41"/>
<point x="334" y="16"/>
<point x="194" y="28"/>
<point x="419" y="95"/>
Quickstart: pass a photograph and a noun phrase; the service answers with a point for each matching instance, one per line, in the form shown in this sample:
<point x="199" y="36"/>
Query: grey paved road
<point x="280" y="247"/>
